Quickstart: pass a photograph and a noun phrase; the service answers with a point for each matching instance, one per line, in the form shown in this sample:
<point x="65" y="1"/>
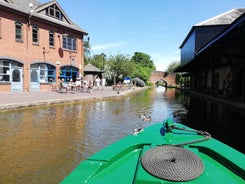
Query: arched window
<point x="16" y="75"/>
<point x="34" y="76"/>
<point x="68" y="72"/>
<point x="18" y="31"/>
<point x="46" y="73"/>
<point x="35" y="36"/>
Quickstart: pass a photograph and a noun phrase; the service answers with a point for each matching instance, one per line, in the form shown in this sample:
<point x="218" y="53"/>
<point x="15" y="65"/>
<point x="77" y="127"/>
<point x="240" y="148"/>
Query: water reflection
<point x="223" y="122"/>
<point x="43" y="145"/>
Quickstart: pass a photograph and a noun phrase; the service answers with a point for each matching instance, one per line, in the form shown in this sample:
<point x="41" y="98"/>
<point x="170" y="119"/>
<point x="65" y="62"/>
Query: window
<point x="67" y="73"/>
<point x="0" y="28"/>
<point x="18" y="31"/>
<point x="51" y="38"/>
<point x="4" y="71"/>
<point x="53" y="11"/>
<point x="35" y="35"/>
<point x="69" y="43"/>
<point x="34" y="76"/>
<point x="16" y="75"/>
<point x="46" y="73"/>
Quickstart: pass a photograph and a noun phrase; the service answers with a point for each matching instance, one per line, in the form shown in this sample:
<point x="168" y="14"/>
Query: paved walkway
<point x="16" y="100"/>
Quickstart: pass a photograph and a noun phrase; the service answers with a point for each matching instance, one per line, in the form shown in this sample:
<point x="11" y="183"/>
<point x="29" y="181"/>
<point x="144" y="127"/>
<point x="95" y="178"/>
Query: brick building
<point x="38" y="45"/>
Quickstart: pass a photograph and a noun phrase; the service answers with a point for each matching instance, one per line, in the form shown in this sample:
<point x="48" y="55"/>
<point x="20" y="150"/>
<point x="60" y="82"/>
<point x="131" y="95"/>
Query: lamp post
<point x="103" y="62"/>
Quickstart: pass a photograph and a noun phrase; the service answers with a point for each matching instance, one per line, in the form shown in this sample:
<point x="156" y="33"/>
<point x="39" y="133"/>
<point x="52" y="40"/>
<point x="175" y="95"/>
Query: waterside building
<point x="213" y="56"/>
<point x="39" y="44"/>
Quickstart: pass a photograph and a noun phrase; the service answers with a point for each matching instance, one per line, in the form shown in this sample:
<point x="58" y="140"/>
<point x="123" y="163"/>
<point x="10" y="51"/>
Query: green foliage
<point x="98" y="60"/>
<point x="179" y="79"/>
<point x="143" y="73"/>
<point x="143" y="66"/>
<point x="87" y="49"/>
<point x="173" y="66"/>
<point x="143" y="60"/>
<point x="151" y="84"/>
<point x="119" y="66"/>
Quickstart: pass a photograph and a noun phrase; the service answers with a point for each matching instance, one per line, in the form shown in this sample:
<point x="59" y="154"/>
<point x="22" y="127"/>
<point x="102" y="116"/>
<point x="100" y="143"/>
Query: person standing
<point x="97" y="81"/>
<point x="103" y="82"/>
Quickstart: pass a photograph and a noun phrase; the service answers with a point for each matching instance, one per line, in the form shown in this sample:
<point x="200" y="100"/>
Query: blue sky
<point x="154" y="27"/>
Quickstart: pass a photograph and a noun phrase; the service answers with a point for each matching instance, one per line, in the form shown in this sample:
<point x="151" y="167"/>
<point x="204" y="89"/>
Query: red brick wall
<point x="5" y="87"/>
<point x="159" y="75"/>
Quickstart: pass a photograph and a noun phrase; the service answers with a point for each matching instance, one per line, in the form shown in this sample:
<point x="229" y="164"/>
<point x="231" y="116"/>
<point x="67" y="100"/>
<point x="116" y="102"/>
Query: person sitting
<point x="63" y="86"/>
<point x="90" y="86"/>
<point x="78" y="85"/>
<point x="71" y="85"/>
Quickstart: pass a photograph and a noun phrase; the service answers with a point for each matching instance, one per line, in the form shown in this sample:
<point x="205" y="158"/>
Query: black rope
<point x="205" y="134"/>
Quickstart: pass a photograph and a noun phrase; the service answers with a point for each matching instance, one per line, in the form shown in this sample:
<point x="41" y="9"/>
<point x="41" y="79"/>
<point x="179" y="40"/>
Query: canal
<point x="43" y="145"/>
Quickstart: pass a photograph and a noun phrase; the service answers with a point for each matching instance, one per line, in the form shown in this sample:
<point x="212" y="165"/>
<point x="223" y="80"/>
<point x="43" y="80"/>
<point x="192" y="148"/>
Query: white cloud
<point x="107" y="46"/>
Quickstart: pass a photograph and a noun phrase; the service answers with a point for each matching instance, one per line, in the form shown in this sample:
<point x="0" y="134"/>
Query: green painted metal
<point x="120" y="161"/>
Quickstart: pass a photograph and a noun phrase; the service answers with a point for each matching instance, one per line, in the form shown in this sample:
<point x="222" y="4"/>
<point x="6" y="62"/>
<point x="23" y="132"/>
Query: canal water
<point x="43" y="145"/>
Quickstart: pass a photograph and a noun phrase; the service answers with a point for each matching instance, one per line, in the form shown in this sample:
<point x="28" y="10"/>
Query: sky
<point x="154" y="27"/>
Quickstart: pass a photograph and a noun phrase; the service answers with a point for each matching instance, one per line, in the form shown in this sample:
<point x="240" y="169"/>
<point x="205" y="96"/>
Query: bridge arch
<point x="161" y="82"/>
<point x="168" y="78"/>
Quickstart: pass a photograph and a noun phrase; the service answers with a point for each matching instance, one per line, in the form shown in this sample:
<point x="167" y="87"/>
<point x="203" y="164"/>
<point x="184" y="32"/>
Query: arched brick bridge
<point x="168" y="78"/>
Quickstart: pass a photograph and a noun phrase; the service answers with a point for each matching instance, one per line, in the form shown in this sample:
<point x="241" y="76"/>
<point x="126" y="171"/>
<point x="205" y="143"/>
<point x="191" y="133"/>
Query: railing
<point x="227" y="84"/>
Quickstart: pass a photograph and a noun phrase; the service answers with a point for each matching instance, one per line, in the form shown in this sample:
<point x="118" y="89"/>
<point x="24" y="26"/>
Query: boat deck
<point x="121" y="162"/>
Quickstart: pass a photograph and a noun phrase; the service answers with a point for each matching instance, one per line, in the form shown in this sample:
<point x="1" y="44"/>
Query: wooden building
<point x="39" y="43"/>
<point x="91" y="72"/>
<point x="213" y="56"/>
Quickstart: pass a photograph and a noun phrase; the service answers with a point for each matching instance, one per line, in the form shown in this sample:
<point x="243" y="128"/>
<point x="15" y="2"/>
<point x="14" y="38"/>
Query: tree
<point x="98" y="60"/>
<point x="143" y="59"/>
<point x="144" y="66"/>
<point x="173" y="66"/>
<point x="120" y="65"/>
<point x="87" y="49"/>
<point x="141" y="72"/>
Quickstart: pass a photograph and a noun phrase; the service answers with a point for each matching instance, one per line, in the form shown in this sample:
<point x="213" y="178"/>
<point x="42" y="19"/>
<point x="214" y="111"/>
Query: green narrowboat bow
<point x="162" y="154"/>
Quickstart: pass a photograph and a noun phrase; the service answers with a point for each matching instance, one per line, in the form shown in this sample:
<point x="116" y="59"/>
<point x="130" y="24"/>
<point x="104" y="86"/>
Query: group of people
<point x="100" y="82"/>
<point x="81" y="84"/>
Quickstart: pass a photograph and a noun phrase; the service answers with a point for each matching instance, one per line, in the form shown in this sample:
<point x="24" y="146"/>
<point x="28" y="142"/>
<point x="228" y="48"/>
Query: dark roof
<point x="224" y="18"/>
<point x="229" y="43"/>
<point x="91" y="68"/>
<point x="23" y="6"/>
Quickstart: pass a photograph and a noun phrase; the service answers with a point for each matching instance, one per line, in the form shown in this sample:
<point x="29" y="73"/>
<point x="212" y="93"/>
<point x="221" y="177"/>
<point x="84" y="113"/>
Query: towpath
<point x="17" y="100"/>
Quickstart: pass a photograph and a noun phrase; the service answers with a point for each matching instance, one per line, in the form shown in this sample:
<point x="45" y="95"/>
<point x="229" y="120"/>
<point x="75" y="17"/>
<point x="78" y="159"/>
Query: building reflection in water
<point x="223" y="122"/>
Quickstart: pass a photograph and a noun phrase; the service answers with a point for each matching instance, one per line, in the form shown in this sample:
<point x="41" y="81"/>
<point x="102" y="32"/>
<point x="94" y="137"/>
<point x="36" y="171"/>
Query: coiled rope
<point x="174" y="163"/>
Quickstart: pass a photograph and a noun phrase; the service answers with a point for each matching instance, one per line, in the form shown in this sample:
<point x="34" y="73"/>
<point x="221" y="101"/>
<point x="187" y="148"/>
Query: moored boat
<point x="163" y="153"/>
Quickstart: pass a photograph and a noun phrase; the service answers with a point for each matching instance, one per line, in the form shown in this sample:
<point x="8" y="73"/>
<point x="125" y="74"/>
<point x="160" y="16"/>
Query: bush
<point x="151" y="84"/>
<point x="138" y="82"/>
